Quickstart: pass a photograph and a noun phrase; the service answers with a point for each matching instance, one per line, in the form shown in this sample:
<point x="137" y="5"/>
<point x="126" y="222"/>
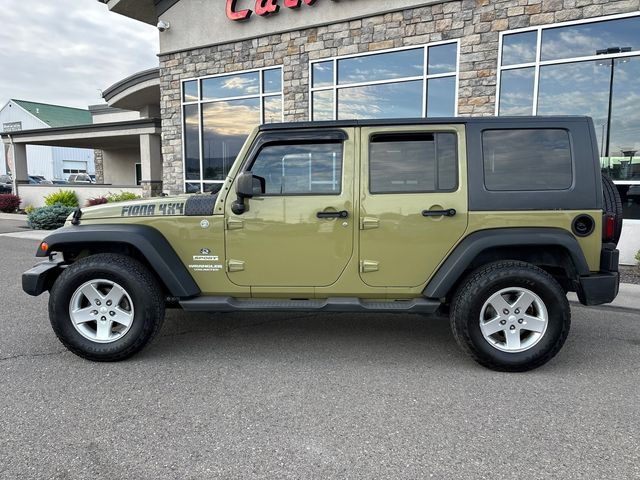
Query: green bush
<point x="122" y="197"/>
<point x="49" y="218"/>
<point x="638" y="257"/>
<point x="67" y="198"/>
<point x="28" y="209"/>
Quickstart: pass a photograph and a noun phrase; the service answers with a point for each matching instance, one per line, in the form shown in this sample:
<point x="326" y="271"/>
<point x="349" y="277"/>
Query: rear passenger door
<point x="413" y="201"/>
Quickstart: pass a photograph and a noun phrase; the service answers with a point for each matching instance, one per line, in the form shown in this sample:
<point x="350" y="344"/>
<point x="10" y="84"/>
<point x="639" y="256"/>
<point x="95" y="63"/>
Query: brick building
<point x="227" y="66"/>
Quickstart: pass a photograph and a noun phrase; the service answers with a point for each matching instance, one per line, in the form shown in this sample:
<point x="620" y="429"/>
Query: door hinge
<point x="369" y="223"/>
<point x="234" y="223"/>
<point x="235" y="266"/>
<point x="368" y="266"/>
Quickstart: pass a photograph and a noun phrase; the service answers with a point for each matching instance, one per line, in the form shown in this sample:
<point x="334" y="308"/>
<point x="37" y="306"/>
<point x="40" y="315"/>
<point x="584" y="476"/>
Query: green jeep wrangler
<point x="491" y="221"/>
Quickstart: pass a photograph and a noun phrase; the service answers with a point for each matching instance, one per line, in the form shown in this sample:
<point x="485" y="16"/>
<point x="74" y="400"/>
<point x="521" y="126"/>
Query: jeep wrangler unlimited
<point x="489" y="220"/>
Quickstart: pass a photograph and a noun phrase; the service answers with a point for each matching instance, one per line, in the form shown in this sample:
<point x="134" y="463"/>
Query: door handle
<point x="450" y="212"/>
<point x="342" y="214"/>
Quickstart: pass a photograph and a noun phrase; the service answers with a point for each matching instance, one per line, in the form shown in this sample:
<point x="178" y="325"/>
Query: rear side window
<point x="300" y="169"/>
<point x="413" y="163"/>
<point x="527" y="159"/>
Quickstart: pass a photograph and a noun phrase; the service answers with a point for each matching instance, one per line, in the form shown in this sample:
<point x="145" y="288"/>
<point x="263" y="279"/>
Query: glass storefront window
<point x="519" y="48"/>
<point x="393" y="100"/>
<point x="585" y="68"/>
<point x="516" y="91"/>
<point x="587" y="39"/>
<point x="216" y="127"/>
<point x="381" y="66"/>
<point x="408" y="82"/>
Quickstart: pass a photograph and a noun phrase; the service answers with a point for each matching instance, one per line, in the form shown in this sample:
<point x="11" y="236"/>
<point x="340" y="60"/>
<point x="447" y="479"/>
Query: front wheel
<point x="510" y="316"/>
<point x="106" y="307"/>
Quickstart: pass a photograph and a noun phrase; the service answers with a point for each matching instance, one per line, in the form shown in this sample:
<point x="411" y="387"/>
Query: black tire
<point x="142" y="288"/>
<point x="479" y="287"/>
<point x="612" y="205"/>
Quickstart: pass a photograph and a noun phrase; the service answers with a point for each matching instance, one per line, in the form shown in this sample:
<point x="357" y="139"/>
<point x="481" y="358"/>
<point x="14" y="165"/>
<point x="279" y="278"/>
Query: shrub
<point x="9" y="203"/>
<point x="638" y="258"/>
<point x="67" y="198"/>
<point x="29" y="209"/>
<point x="97" y="201"/>
<point x="49" y="218"/>
<point x="122" y="197"/>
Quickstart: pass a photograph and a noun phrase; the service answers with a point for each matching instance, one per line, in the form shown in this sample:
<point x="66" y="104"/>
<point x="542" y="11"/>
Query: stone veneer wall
<point x="476" y="22"/>
<point x="98" y="157"/>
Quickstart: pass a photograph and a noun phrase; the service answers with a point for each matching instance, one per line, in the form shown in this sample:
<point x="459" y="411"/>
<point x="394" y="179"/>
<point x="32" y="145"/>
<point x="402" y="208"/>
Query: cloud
<point x="66" y="51"/>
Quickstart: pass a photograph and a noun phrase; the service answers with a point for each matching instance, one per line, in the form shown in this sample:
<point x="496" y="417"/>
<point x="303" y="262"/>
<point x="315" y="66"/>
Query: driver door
<point x="299" y="232"/>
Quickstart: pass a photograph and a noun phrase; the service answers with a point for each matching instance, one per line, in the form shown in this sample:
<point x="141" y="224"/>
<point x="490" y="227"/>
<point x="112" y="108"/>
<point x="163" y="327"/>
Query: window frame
<point x="320" y="141"/>
<point x="261" y="96"/>
<point x="416" y="133"/>
<point x="425" y="77"/>
<point x="538" y="62"/>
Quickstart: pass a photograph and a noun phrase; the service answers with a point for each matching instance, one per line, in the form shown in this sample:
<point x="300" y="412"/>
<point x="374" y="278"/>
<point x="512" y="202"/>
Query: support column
<point x="151" y="163"/>
<point x="20" y="170"/>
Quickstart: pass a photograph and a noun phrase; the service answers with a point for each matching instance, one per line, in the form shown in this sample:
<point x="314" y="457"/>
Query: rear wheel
<point x="510" y="316"/>
<point x="612" y="205"/>
<point x="106" y="307"/>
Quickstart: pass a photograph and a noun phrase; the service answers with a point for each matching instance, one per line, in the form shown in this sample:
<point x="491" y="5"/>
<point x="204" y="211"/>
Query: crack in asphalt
<point x="31" y="355"/>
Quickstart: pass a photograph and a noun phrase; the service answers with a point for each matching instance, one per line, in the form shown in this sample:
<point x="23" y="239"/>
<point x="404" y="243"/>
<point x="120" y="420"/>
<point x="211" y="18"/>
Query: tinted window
<point x="238" y="85"/>
<point x="442" y="59"/>
<point x="412" y="163"/>
<point x="516" y="91"/>
<point x="391" y="100"/>
<point x="527" y="159"/>
<point x="303" y="169"/>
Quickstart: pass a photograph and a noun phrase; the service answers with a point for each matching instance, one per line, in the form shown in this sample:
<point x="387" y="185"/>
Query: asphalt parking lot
<point x="311" y="396"/>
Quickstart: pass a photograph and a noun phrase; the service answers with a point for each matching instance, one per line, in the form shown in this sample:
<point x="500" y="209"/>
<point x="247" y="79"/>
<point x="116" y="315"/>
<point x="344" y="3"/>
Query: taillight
<point x="609" y="228"/>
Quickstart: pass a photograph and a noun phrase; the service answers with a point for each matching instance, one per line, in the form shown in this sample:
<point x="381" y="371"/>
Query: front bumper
<point x="41" y="277"/>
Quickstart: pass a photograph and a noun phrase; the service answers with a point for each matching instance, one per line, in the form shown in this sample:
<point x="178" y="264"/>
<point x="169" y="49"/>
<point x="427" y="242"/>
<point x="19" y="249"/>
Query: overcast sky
<point x="65" y="51"/>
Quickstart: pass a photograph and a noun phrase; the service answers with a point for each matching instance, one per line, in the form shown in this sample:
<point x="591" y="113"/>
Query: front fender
<point x="153" y="246"/>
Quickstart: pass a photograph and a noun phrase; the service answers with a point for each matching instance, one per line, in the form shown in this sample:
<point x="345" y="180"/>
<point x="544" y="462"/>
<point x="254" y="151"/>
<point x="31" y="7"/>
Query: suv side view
<point x="491" y="221"/>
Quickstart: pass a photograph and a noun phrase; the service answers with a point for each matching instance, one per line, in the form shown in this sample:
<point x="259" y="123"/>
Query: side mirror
<point x="247" y="185"/>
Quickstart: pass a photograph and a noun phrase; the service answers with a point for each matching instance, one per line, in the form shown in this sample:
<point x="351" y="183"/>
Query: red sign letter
<point x="266" y="7"/>
<point x="239" y="15"/>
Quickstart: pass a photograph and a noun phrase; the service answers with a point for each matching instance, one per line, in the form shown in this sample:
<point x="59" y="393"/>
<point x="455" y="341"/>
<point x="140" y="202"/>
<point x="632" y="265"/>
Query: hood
<point x="148" y="207"/>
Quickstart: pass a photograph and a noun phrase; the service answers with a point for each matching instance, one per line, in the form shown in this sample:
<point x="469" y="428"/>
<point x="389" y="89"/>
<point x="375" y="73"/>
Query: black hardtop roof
<point x="423" y="121"/>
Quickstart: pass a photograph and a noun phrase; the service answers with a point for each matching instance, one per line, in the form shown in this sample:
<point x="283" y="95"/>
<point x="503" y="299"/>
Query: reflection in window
<point x="322" y="74"/>
<point x="217" y="126"/>
<point x="516" y="91"/>
<point x="441" y="97"/>
<point x="527" y="159"/>
<point x="190" y="91"/>
<point x="410" y="82"/>
<point x="412" y="163"/>
<point x="442" y="58"/>
<point x="576" y="89"/>
<point x="381" y="66"/>
<point x="586" y="39"/>
<point x="272" y="81"/>
<point x="393" y="100"/>
<point x="624" y="161"/>
<point x="191" y="142"/>
<point x="322" y="106"/>
<point x="227" y="86"/>
<point x="519" y="48"/>
<point x="304" y="169"/>
<point x="225" y="126"/>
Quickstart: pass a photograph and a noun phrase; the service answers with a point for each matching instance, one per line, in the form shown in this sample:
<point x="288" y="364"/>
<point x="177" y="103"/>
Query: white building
<point x="50" y="162"/>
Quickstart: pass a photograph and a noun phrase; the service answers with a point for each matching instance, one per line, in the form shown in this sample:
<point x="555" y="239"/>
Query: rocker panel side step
<point x="335" y="304"/>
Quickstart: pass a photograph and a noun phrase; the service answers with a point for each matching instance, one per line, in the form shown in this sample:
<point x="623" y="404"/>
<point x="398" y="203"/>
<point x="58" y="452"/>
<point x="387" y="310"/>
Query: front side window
<point x="300" y="169"/>
<point x="527" y="160"/>
<point x="404" y="83"/>
<point x="218" y="114"/>
<point x="413" y="163"/>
